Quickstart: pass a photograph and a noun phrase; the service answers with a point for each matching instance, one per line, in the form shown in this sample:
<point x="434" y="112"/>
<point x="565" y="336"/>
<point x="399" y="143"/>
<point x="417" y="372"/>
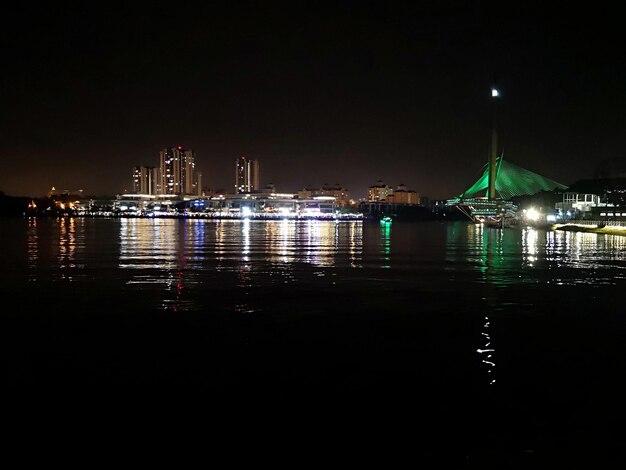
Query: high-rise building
<point x="145" y="180"/>
<point x="246" y="175"/>
<point x="177" y="171"/>
<point x="199" y="184"/>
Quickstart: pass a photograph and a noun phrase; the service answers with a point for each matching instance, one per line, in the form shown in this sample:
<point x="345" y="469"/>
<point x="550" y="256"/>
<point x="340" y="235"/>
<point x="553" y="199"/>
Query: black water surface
<point x="373" y="344"/>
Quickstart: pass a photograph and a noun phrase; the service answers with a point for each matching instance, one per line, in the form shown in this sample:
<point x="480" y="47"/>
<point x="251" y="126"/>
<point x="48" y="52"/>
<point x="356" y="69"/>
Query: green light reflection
<point x="385" y="232"/>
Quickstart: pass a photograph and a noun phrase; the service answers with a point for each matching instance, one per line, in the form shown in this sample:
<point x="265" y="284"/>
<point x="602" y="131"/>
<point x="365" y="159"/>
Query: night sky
<point x="344" y="92"/>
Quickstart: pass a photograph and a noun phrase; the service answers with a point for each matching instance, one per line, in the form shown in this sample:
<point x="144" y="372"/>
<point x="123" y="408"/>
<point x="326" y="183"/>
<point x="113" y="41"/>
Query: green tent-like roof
<point x="511" y="180"/>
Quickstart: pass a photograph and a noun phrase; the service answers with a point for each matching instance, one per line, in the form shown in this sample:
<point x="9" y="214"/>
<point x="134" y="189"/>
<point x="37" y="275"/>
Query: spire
<point x="491" y="193"/>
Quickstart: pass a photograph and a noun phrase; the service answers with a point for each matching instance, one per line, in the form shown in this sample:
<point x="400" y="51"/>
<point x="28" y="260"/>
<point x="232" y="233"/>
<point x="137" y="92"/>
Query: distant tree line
<point x="41" y="206"/>
<point x="546" y="199"/>
<point x="610" y="190"/>
<point x="12" y="205"/>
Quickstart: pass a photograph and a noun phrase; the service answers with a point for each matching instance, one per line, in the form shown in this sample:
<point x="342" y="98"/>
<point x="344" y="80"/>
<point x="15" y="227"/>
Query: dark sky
<point x="341" y="92"/>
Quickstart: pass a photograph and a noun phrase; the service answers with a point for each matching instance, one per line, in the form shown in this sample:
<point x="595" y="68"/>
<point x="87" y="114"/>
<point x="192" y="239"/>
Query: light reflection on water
<point x="180" y="254"/>
<point x="32" y="244"/>
<point x="385" y="233"/>
<point x="428" y="305"/>
<point x="70" y="246"/>
<point x="521" y="327"/>
<point x="157" y="243"/>
<point x="513" y="256"/>
<point x="151" y="249"/>
<point x="527" y="256"/>
<point x="252" y="267"/>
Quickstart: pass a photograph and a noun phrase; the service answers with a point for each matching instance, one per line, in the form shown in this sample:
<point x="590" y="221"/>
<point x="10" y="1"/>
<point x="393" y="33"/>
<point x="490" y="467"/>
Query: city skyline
<point x="175" y="175"/>
<point x="345" y="94"/>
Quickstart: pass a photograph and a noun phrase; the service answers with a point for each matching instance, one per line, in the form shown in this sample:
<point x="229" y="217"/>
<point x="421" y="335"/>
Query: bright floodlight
<point x="494" y="92"/>
<point x="532" y="214"/>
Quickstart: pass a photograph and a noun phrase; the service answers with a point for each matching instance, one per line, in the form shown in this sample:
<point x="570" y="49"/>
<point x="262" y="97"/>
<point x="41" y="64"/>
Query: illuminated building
<point x="177" y="172"/>
<point x="338" y="192"/>
<point x="246" y="175"/>
<point x="379" y="192"/>
<point x="341" y="194"/>
<point x="146" y="180"/>
<point x="403" y="196"/>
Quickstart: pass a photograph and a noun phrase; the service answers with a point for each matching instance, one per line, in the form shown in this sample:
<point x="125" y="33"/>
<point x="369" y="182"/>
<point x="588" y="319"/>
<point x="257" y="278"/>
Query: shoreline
<point x="607" y="230"/>
<point x="340" y="217"/>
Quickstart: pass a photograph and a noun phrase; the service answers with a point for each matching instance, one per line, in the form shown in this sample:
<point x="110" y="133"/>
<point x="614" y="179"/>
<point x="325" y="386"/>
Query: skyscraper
<point x="145" y="180"/>
<point x="177" y="171"/>
<point x="246" y="175"/>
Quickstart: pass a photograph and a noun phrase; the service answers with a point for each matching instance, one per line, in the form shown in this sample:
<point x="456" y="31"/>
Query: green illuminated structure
<point x="511" y="180"/>
<point x="488" y="199"/>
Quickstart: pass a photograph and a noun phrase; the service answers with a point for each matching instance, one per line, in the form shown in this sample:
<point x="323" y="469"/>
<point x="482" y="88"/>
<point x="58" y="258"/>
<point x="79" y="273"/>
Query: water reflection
<point x="528" y="255"/>
<point x="156" y="250"/>
<point x="279" y="239"/>
<point x="147" y="244"/>
<point x="244" y="285"/>
<point x="319" y="242"/>
<point x="385" y="236"/>
<point x="67" y="247"/>
<point x="529" y="246"/>
<point x="245" y="231"/>
<point x="491" y="252"/>
<point x="492" y="268"/>
<point x="176" y="278"/>
<point x="487" y="352"/>
<point x="177" y="253"/>
<point x="355" y="237"/>
<point x="497" y="260"/>
<point x="32" y="249"/>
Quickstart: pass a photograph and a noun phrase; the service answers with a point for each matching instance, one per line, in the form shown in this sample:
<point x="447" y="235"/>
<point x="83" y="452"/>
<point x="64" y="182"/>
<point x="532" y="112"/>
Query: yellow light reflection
<point x="355" y="233"/>
<point x="67" y="246"/>
<point x="529" y="245"/>
<point x="32" y="247"/>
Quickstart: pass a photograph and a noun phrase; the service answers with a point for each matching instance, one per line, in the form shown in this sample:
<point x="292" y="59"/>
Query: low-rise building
<point x="379" y="192"/>
<point x="404" y="196"/>
<point x="340" y="194"/>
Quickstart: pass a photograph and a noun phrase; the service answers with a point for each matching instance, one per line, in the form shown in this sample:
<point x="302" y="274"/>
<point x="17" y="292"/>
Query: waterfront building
<point x="379" y="192"/>
<point x="146" y="180"/>
<point x="340" y="194"/>
<point x="246" y="175"/>
<point x="263" y="205"/>
<point x="578" y="203"/>
<point x="403" y="196"/>
<point x="177" y="172"/>
<point x="306" y="192"/>
<point x="590" y="206"/>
